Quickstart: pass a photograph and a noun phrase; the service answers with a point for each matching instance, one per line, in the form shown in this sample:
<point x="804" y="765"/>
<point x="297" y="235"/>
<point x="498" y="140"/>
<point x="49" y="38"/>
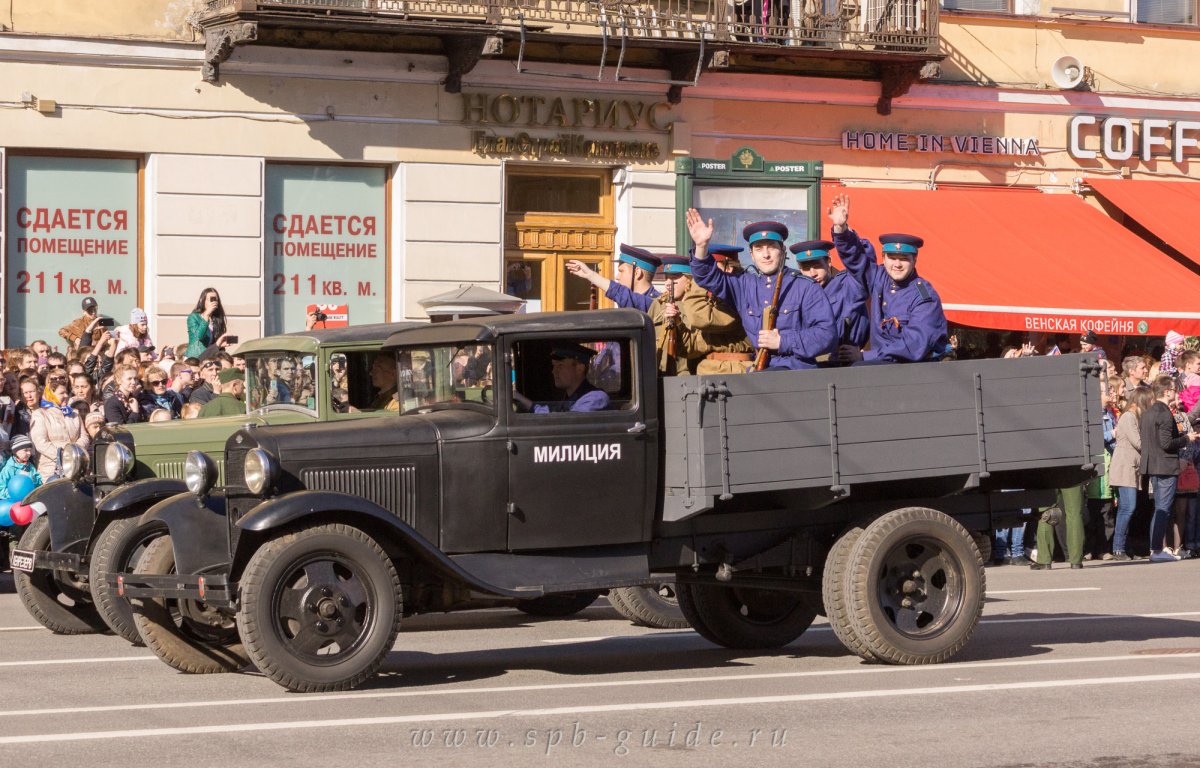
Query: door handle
<point x="637" y="429"/>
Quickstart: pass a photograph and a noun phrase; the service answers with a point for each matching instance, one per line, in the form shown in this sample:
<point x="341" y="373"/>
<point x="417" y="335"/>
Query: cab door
<point x="579" y="479"/>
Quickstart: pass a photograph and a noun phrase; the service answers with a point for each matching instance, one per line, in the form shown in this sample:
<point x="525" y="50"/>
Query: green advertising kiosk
<point x="745" y="188"/>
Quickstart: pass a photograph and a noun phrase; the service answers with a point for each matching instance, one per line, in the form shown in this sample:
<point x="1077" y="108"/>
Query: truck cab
<point x="87" y="530"/>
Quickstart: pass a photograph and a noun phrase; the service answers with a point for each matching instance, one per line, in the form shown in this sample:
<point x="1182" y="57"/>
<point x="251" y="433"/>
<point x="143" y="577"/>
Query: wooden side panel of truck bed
<point x="996" y="422"/>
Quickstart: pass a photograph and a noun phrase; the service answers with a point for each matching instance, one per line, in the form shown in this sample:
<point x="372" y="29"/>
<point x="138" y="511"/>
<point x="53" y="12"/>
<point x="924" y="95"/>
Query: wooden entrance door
<point x="551" y="217"/>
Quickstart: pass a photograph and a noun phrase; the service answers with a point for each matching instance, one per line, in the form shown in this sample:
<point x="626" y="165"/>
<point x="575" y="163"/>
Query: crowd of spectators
<point x="98" y="373"/>
<point x="1145" y="503"/>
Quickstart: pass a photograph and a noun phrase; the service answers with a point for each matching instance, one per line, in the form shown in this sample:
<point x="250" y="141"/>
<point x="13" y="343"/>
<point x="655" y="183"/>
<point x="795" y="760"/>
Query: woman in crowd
<point x="1123" y="470"/>
<point x="82" y="388"/>
<point x="206" y="324"/>
<point x="55" y="426"/>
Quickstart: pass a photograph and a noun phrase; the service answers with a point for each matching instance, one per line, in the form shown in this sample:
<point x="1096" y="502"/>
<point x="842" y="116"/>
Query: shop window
<point x="72" y="228"/>
<point x="326" y="245"/>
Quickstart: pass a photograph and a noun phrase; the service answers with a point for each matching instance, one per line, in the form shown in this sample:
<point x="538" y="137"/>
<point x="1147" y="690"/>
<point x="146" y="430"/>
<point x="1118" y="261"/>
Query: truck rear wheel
<point x="916" y="586"/>
<point x="117" y="550"/>
<point x="655" y="606"/>
<point x="186" y="635"/>
<point x="320" y="608"/>
<point x="742" y="617"/>
<point x="58" y="600"/>
<point x="558" y="606"/>
<point x="835" y="590"/>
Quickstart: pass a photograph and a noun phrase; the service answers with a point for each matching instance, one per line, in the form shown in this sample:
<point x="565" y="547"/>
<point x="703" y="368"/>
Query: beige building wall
<point x="650" y="197"/>
<point x="451" y="229"/>
<point x="206" y="221"/>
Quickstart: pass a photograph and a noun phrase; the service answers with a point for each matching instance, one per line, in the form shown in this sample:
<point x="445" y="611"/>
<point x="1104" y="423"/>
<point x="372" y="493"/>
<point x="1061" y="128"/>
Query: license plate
<point x="22" y="560"/>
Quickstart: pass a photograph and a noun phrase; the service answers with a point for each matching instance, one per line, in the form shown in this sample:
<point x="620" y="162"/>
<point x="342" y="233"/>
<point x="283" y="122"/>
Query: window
<point x="281" y="378"/>
<point x="1166" y="11"/>
<point x="362" y="381"/>
<point x="610" y="370"/>
<point x="445" y="375"/>
<point x="997" y="6"/>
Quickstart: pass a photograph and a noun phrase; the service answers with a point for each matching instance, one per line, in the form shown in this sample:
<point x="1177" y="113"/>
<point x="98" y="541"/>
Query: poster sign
<point x="325" y="242"/>
<point x="72" y="225"/>
<point x="732" y="208"/>
<point x="336" y="315"/>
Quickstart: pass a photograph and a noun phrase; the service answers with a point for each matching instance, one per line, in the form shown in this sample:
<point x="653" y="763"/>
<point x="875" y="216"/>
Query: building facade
<point x="360" y="155"/>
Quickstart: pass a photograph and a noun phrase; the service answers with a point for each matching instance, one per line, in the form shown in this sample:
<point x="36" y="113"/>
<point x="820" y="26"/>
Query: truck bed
<point x="1023" y="423"/>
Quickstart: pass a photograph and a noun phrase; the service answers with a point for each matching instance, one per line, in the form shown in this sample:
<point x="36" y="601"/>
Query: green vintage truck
<point x="64" y="559"/>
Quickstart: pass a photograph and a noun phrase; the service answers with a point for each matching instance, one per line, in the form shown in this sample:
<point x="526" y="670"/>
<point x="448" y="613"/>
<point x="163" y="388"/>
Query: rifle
<point x="671" y="342"/>
<point x="764" y="354"/>
<point x="593" y="297"/>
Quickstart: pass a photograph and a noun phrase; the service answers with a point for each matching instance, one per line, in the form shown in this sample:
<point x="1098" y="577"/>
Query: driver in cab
<point x="569" y="366"/>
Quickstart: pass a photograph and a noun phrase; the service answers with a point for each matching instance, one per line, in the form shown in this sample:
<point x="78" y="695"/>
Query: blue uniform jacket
<point x="849" y="301"/>
<point x="586" y="397"/>
<point x="805" y="319"/>
<point x="906" y="319"/>
<point x="625" y="298"/>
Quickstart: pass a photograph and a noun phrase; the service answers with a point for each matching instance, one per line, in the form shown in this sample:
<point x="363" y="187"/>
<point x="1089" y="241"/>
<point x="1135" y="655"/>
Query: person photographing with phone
<point x="89" y="326"/>
<point x="206" y="325"/>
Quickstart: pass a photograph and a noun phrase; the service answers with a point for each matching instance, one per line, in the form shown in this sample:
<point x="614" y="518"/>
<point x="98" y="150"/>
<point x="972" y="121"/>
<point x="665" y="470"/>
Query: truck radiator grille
<point x="173" y="470"/>
<point x="393" y="488"/>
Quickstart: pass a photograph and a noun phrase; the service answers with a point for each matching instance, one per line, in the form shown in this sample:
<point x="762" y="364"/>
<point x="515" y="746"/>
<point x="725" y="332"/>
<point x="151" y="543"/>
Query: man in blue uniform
<point x="633" y="287"/>
<point x="804" y="320"/>
<point x="904" y="312"/>
<point x="846" y="295"/>
<point x="569" y="367"/>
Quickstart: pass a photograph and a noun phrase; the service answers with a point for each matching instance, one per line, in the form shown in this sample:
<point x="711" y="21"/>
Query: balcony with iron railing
<point x="891" y="38"/>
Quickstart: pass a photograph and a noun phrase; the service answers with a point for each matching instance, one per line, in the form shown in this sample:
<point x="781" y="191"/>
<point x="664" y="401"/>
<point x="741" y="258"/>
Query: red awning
<point x="1030" y="261"/>
<point x="1164" y="208"/>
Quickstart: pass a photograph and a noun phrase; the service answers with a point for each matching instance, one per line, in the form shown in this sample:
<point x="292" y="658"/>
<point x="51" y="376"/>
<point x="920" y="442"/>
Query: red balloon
<point x="21" y="514"/>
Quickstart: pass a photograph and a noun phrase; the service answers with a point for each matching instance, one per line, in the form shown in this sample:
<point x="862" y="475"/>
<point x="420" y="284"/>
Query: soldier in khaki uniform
<point x="710" y="340"/>
<point x="724" y="344"/>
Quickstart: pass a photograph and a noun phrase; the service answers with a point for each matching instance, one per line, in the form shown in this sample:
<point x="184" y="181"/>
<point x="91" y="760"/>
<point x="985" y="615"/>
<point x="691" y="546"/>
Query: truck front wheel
<point x="320" y="608"/>
<point x="916" y="586"/>
<point x="117" y="550"/>
<point x="185" y="634"/>
<point x="741" y="617"/>
<point x="58" y="600"/>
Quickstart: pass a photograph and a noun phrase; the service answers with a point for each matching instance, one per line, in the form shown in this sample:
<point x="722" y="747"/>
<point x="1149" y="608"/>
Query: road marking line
<point x="22" y="629"/>
<point x="405" y="694"/>
<point x="826" y="628"/>
<point x="97" y="660"/>
<point x="1030" y="591"/>
<point x="227" y="728"/>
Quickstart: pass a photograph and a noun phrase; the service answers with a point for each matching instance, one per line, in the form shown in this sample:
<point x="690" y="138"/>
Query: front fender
<point x="70" y="509"/>
<point x="198" y="529"/>
<point x="150" y="490"/>
<point x="300" y="505"/>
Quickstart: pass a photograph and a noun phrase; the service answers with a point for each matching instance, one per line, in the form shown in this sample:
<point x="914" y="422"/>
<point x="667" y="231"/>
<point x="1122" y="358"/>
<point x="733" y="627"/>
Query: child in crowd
<point x="19" y="463"/>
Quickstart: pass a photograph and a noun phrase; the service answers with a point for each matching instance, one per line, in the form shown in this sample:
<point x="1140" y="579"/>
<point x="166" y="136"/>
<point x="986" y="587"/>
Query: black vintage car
<point x="769" y="497"/>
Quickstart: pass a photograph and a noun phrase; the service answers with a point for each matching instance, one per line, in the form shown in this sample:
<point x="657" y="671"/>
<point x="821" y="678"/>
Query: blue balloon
<point x="5" y="518"/>
<point x="19" y="487"/>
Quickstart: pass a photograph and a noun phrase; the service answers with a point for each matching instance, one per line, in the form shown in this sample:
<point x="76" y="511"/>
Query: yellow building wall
<point x="133" y="19"/>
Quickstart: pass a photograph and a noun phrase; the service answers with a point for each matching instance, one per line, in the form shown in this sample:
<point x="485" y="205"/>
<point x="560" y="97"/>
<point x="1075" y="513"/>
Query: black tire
<point x="185" y="635"/>
<point x="835" y="593"/>
<point x="983" y="542"/>
<point x="745" y="618"/>
<point x="917" y="586"/>
<point x="655" y="606"/>
<point x="558" y="606"/>
<point x="58" y="600"/>
<point x="117" y="550"/>
<point x="320" y="608"/>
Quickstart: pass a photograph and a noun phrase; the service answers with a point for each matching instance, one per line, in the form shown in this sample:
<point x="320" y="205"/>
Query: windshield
<point x="459" y="373"/>
<point x="274" y="378"/>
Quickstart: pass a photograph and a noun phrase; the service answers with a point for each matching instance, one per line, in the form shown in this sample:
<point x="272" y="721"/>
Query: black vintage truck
<point x="770" y="498"/>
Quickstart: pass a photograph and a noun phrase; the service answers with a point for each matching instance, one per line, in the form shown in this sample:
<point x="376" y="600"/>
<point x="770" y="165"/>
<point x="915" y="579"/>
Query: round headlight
<point x="199" y="473"/>
<point x="74" y="462"/>
<point x="118" y="462"/>
<point x="259" y="471"/>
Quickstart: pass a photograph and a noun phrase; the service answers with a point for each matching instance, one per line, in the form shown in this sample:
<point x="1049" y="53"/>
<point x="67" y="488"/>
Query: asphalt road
<point x="1099" y="667"/>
